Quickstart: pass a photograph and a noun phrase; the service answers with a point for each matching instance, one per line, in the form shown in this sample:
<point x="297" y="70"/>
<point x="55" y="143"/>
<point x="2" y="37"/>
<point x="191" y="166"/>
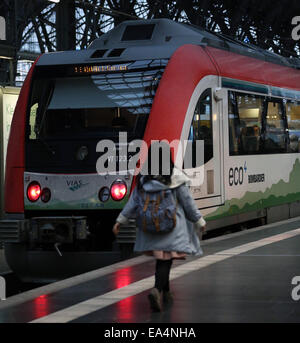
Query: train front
<point x="74" y="143"/>
<point x="82" y="126"/>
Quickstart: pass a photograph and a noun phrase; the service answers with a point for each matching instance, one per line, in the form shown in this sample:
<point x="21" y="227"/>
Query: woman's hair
<point x="158" y="165"/>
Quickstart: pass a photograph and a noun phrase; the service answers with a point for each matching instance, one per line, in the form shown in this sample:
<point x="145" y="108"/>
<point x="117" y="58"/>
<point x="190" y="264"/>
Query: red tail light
<point x="33" y="191"/>
<point x="118" y="190"/>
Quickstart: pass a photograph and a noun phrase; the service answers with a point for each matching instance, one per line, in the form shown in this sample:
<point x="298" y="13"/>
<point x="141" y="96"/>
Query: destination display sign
<point x="88" y="69"/>
<point x="94" y="69"/>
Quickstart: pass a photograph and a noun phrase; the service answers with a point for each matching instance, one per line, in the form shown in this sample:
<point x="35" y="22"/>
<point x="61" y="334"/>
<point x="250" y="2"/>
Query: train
<point x="153" y="80"/>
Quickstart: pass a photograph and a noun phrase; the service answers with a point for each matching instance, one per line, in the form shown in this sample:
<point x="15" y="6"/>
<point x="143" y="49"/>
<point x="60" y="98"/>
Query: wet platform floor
<point x="241" y="278"/>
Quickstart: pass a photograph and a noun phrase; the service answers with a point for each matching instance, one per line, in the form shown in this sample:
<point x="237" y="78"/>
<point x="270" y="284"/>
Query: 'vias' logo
<point x="74" y="185"/>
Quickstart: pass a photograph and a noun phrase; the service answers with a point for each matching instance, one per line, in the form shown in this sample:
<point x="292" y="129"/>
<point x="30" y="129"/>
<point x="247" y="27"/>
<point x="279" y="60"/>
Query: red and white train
<point x="154" y="80"/>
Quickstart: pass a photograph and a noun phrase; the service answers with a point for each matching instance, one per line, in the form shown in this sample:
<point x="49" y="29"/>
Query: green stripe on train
<point x="278" y="194"/>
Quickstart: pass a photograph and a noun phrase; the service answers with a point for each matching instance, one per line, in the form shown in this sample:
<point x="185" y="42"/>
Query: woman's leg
<point x="167" y="295"/>
<point x="162" y="274"/>
<point x="167" y="284"/>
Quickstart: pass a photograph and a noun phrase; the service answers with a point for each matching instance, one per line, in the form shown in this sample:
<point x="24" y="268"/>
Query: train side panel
<point x="254" y="185"/>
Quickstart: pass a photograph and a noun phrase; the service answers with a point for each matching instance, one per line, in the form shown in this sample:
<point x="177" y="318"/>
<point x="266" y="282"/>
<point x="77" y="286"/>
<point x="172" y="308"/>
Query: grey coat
<point x="184" y="237"/>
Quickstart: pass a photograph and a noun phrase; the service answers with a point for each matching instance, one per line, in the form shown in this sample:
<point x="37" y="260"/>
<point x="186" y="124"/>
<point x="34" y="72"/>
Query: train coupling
<point x="127" y="233"/>
<point x="44" y="230"/>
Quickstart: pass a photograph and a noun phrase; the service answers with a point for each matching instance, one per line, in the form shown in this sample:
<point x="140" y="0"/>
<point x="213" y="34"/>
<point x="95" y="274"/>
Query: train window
<point x="245" y="123"/>
<point x="41" y="96"/>
<point x="93" y="107"/>
<point x="250" y="108"/>
<point x="257" y="124"/>
<point x="293" y="118"/>
<point x="274" y="127"/>
<point x="234" y="125"/>
<point x="201" y="128"/>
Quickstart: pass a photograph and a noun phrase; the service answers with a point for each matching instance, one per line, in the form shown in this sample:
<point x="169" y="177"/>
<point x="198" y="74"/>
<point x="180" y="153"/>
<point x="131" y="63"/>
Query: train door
<point x="205" y="125"/>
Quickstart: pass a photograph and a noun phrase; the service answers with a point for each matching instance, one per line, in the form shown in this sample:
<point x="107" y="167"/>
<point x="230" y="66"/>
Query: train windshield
<point x="95" y="106"/>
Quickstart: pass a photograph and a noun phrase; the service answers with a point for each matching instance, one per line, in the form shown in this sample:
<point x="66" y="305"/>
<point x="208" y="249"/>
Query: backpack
<point x="156" y="211"/>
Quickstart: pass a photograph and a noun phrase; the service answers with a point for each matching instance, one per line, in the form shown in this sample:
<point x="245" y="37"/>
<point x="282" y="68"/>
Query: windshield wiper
<point x="48" y="147"/>
<point x="43" y="116"/>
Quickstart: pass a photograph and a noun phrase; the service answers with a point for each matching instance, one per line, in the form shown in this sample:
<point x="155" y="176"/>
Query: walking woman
<point x="182" y="240"/>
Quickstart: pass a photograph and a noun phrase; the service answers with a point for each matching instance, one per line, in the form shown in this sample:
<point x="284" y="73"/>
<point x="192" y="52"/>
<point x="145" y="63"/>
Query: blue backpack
<point x="156" y="211"/>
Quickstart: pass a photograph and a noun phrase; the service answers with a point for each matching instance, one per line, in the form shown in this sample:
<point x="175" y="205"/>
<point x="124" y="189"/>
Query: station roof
<point x="157" y="38"/>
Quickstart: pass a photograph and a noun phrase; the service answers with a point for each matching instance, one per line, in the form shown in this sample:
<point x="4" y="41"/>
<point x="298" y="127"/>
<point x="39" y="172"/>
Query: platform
<point x="241" y="278"/>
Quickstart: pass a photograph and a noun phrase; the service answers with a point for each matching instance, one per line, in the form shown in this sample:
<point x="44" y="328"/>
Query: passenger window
<point x="250" y="109"/>
<point x="275" y="134"/>
<point x="234" y="125"/>
<point x="245" y="123"/>
<point x="293" y="119"/>
<point x="201" y="127"/>
<point x="257" y="124"/>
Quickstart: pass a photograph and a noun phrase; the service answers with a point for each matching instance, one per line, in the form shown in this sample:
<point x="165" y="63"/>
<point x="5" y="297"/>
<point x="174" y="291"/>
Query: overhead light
<point x="26" y="61"/>
<point x="6" y="58"/>
<point x="57" y="1"/>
